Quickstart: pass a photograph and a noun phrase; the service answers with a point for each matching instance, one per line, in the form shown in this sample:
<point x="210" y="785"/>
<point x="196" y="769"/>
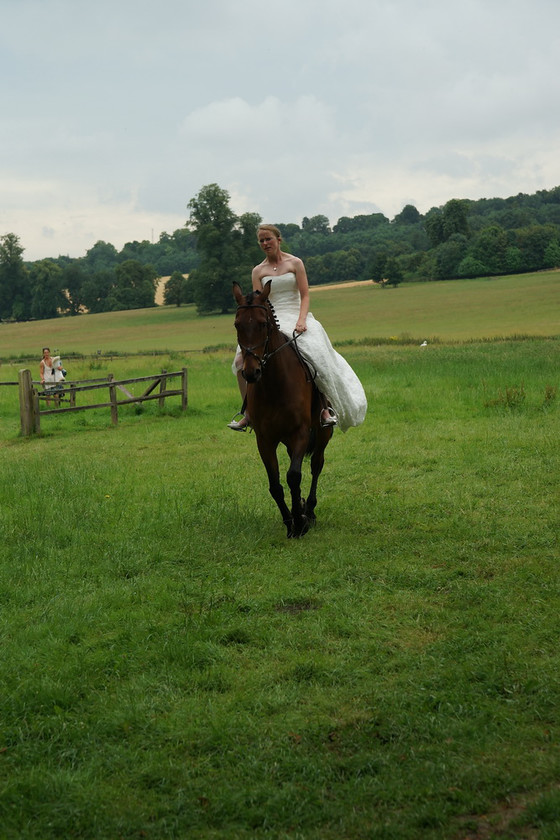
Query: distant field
<point x="458" y="310"/>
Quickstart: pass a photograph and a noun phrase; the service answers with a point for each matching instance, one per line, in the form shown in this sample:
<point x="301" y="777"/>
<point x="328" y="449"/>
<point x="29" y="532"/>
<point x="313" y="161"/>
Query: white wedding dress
<point x="335" y="378"/>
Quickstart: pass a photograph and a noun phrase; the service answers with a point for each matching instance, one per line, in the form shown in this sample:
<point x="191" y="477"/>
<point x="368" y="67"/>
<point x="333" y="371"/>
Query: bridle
<point x="250" y="351"/>
<point x="266" y="356"/>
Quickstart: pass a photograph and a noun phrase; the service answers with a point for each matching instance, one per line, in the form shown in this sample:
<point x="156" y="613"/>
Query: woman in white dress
<point x="289" y="296"/>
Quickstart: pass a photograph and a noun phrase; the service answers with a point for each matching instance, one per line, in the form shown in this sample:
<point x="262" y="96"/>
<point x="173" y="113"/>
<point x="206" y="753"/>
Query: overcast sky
<point x="115" y="113"/>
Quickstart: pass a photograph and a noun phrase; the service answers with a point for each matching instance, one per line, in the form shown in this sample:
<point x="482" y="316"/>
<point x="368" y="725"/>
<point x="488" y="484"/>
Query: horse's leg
<point x="317" y="462"/>
<point x="270" y="461"/>
<point x="301" y="522"/>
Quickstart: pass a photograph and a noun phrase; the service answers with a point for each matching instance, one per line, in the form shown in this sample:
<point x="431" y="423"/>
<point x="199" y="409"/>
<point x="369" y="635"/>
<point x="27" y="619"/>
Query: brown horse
<point x="283" y="404"/>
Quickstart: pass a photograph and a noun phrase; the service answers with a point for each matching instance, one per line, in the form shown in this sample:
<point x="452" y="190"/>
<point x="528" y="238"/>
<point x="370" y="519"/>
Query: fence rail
<point x="32" y="394"/>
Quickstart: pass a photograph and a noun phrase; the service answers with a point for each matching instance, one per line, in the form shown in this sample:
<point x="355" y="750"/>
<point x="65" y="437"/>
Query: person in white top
<point x="52" y="375"/>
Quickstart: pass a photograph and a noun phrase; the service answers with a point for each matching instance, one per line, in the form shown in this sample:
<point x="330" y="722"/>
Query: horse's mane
<point x="253" y="299"/>
<point x="250" y="298"/>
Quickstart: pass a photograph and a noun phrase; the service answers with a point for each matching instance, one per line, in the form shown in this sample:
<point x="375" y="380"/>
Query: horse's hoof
<point x="302" y="529"/>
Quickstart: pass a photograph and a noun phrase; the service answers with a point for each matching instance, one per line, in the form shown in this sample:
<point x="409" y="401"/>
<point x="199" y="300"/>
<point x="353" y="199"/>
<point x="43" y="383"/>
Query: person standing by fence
<point x="46" y="368"/>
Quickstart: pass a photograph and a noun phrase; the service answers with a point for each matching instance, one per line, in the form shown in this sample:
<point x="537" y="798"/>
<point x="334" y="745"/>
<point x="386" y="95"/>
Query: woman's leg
<point x="240" y="425"/>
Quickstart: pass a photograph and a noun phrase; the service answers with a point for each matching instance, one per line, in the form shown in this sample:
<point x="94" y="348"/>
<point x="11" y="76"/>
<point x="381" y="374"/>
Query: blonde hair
<point x="272" y="228"/>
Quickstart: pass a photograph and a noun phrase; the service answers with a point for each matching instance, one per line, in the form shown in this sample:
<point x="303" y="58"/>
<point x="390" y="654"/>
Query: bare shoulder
<point x="292" y="263"/>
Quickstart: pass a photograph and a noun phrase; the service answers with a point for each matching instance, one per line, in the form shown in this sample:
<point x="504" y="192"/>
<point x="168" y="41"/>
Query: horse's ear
<point x="266" y="291"/>
<point x="237" y="293"/>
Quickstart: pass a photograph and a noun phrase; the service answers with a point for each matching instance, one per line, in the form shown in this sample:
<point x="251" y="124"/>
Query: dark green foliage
<point x="95" y="290"/>
<point x="409" y="215"/>
<point x="316" y="224"/>
<point x="463" y="238"/>
<point x="134" y="287"/>
<point x="393" y="272"/>
<point x="377" y="267"/>
<point x="175" y="290"/>
<point x="73" y="279"/>
<point x="335" y="267"/>
<point x="15" y="288"/>
<point x="227" y="246"/>
<point x="360" y="223"/>
<point x="48" y="300"/>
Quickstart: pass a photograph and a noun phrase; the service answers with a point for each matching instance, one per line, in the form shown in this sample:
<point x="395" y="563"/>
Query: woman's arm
<point x="303" y="287"/>
<point x="256" y="278"/>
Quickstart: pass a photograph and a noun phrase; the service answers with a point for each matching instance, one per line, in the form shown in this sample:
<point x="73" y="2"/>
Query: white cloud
<point x="117" y="113"/>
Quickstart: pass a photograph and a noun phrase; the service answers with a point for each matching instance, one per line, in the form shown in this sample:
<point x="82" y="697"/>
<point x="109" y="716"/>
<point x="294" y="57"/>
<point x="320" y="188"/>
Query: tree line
<point x="463" y="238"/>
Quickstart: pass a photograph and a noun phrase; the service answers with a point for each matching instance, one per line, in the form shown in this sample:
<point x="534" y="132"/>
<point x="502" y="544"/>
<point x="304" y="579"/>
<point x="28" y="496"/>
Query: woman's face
<point x="269" y="243"/>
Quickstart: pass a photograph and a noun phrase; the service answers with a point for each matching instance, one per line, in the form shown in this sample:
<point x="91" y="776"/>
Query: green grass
<point x="172" y="666"/>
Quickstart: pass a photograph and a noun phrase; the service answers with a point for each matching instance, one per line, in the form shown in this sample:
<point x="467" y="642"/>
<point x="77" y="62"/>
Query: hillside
<point x="458" y="310"/>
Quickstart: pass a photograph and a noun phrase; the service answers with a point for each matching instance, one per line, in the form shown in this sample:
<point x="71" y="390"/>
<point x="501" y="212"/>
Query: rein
<point x="290" y="342"/>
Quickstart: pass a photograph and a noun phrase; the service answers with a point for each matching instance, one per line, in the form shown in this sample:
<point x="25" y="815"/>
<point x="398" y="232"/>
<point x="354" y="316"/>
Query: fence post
<point x="36" y="410"/>
<point x="184" y="389"/>
<point x="72" y="394"/>
<point x="162" y="387"/>
<point x="113" y="398"/>
<point x="26" y="403"/>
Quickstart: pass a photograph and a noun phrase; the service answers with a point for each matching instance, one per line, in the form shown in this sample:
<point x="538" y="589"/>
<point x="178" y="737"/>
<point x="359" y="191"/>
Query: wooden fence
<point x="32" y="395"/>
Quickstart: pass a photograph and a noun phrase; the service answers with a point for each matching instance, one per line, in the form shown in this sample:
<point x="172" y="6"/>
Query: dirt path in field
<point x="163" y="280"/>
<point x="344" y="285"/>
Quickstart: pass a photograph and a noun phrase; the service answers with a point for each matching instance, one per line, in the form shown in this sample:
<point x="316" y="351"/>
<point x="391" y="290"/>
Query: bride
<point x="289" y="296"/>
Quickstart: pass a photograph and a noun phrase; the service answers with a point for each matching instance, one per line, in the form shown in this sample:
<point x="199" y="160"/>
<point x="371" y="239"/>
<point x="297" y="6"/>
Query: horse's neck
<point x="276" y="338"/>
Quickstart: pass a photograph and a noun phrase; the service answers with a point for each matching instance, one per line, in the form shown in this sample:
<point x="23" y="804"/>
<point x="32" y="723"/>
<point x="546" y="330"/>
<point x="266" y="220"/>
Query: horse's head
<point x="253" y="321"/>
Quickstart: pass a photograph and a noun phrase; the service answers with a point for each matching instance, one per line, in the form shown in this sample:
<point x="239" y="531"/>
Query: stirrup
<point x="331" y="420"/>
<point x="238" y="425"/>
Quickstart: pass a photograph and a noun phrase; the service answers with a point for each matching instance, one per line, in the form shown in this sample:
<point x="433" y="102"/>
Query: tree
<point x="362" y="222"/>
<point x="134" y="288"/>
<point x="378" y="267"/>
<point x="433" y="223"/>
<point x="448" y="256"/>
<point x="490" y="247"/>
<point x="15" y="289"/>
<point x="96" y="289"/>
<point x="470" y="267"/>
<point x="441" y="224"/>
<point x="101" y="256"/>
<point x="316" y="224"/>
<point x="247" y="251"/>
<point x="409" y="215"/>
<point x="227" y="246"/>
<point x="393" y="272"/>
<point x="288" y="230"/>
<point x="533" y="242"/>
<point x="455" y="218"/>
<point x="73" y="279"/>
<point x="49" y="300"/>
<point x="173" y="294"/>
<point x="210" y="209"/>
<point x="552" y="254"/>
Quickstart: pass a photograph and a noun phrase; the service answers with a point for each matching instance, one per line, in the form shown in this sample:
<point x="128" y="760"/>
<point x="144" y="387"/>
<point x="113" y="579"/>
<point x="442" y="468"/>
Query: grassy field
<point x="173" y="667"/>
<point x="458" y="310"/>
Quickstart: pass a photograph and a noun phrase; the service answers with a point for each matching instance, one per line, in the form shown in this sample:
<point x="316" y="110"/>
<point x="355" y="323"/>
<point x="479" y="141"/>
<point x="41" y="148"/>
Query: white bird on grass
<point x="424" y="344"/>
